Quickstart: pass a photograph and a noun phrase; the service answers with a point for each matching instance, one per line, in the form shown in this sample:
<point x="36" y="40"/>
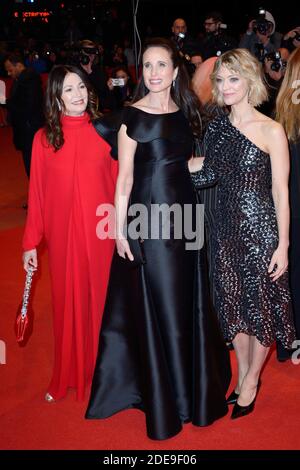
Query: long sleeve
<point x="208" y="174"/>
<point x="34" y="228"/>
<point x="204" y="177"/>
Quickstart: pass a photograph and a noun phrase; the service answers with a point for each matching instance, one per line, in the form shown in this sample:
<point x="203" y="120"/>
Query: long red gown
<point x="66" y="187"/>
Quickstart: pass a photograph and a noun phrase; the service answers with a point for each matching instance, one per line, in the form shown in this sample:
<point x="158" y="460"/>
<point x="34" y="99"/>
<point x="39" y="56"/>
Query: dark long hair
<point x="54" y="105"/>
<point x="181" y="92"/>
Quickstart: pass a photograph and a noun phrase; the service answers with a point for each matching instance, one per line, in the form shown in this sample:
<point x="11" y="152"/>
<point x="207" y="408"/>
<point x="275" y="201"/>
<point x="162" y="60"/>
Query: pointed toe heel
<point x="239" y="410"/>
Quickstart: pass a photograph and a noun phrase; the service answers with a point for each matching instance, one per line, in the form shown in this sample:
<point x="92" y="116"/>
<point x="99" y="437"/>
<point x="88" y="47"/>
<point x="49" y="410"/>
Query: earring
<point x="173" y="83"/>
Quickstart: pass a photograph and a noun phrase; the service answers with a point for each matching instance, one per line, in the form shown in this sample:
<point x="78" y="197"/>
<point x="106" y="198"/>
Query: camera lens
<point x="276" y="66"/>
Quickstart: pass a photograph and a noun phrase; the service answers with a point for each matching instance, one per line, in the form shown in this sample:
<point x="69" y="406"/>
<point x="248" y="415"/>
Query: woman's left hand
<point x="279" y="261"/>
<point x="195" y="164"/>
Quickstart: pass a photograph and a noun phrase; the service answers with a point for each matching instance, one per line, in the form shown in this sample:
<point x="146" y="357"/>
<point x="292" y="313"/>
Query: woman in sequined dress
<point x="247" y="154"/>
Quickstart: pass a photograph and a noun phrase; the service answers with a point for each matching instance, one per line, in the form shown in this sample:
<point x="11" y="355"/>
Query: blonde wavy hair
<point x="288" y="99"/>
<point x="242" y="62"/>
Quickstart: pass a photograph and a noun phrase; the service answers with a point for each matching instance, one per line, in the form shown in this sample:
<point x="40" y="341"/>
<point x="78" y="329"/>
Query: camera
<point x="277" y="62"/>
<point x="89" y="50"/>
<point x="261" y="24"/>
<point x="118" y="82"/>
<point x="80" y="55"/>
<point x="84" y="55"/>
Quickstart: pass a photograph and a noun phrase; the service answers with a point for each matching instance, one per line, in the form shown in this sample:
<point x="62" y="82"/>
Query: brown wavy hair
<point x="288" y="99"/>
<point x="54" y="105"/>
<point x="181" y="93"/>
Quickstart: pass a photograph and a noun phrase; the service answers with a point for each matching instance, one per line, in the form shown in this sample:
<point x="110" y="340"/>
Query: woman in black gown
<point x="160" y="348"/>
<point x="247" y="154"/>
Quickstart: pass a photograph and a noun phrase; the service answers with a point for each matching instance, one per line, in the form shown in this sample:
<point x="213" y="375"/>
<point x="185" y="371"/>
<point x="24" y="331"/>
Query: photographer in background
<point x="261" y="37"/>
<point x="120" y="89"/>
<point x="88" y="64"/>
<point x="184" y="43"/>
<point x="274" y="69"/>
<point x="215" y="41"/>
<point x="292" y="39"/>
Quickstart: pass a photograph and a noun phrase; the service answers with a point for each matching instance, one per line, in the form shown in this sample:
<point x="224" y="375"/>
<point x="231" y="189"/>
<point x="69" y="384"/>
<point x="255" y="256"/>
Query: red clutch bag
<point x="24" y="321"/>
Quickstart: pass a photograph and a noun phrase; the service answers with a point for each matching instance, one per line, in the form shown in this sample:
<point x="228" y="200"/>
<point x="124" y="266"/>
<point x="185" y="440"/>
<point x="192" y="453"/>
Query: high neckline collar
<point x="75" y="121"/>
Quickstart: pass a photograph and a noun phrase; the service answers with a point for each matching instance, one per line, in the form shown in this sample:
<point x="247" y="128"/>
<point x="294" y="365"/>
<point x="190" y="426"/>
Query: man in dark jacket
<point x="215" y="41"/>
<point x="25" y="105"/>
<point x="182" y="40"/>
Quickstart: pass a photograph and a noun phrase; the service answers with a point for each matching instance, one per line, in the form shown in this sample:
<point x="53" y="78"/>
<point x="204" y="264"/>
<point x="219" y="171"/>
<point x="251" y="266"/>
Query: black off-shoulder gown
<point x="160" y="347"/>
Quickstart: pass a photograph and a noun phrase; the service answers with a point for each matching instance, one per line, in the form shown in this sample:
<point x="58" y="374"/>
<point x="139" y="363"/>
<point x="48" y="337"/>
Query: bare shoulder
<point x="273" y="133"/>
<point x="271" y="129"/>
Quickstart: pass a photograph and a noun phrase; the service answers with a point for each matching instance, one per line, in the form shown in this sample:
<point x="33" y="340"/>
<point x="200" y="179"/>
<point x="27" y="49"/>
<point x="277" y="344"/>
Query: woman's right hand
<point x="30" y="260"/>
<point x="123" y="248"/>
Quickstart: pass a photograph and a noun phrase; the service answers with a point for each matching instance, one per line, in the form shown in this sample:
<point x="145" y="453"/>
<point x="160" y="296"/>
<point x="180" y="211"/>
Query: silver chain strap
<point x="26" y="293"/>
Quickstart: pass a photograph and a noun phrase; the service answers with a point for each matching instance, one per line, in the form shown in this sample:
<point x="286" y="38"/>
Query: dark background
<point x="157" y="14"/>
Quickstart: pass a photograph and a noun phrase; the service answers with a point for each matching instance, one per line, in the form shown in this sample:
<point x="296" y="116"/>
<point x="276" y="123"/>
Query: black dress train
<point x="160" y="347"/>
<point x="244" y="238"/>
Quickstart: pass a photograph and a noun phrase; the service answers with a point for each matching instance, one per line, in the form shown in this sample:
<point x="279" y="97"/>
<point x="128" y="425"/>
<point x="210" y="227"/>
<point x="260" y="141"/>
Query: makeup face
<point x="158" y="69"/>
<point x="232" y="87"/>
<point x="74" y="95"/>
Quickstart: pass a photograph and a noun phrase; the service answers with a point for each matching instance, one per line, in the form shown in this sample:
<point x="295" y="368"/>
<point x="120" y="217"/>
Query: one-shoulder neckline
<point x="154" y="114"/>
<point x="245" y="137"/>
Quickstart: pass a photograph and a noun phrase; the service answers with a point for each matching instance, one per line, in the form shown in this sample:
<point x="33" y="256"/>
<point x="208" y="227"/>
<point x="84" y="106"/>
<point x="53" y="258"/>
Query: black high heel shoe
<point x="232" y="398"/>
<point x="239" y="410"/>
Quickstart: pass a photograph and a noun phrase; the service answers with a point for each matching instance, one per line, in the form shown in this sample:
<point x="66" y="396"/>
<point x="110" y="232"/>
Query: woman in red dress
<point x="72" y="174"/>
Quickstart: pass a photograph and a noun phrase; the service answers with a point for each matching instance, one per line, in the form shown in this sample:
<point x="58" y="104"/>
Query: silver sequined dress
<point x="244" y="238"/>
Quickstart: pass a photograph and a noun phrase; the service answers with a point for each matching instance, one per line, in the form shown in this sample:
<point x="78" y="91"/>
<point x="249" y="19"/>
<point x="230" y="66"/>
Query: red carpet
<point x="28" y="422"/>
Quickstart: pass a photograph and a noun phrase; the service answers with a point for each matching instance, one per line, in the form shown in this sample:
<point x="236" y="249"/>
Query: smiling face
<point x="158" y="69"/>
<point x="231" y="86"/>
<point x="74" y="95"/>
